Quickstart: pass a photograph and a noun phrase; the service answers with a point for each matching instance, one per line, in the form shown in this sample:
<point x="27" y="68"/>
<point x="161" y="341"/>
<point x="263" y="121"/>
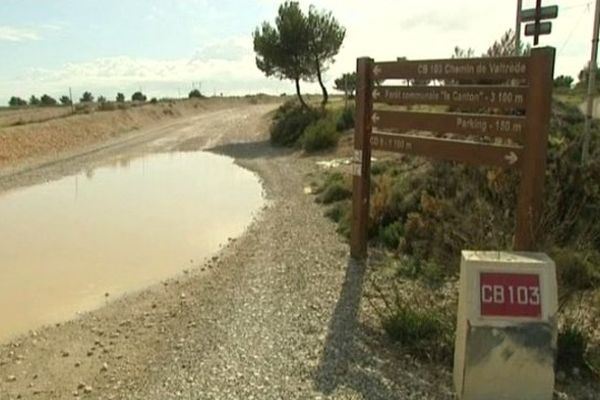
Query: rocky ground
<point x="277" y="314"/>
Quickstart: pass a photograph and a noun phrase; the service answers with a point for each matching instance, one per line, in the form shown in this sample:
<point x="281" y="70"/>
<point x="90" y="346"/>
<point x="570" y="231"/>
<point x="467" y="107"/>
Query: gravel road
<point x="277" y="314"/>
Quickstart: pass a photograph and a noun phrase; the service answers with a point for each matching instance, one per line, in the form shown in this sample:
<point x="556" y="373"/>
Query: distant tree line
<point x="45" y="100"/>
<point x="87" y="97"/>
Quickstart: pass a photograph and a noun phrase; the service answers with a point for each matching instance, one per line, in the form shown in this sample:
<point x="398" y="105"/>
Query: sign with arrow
<point x="481" y="111"/>
<point x="449" y="150"/>
<point x="461" y="96"/>
<point x="504" y="127"/>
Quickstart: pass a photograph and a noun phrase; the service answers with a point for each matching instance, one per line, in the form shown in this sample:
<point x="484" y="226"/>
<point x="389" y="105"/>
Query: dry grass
<point x="27" y="115"/>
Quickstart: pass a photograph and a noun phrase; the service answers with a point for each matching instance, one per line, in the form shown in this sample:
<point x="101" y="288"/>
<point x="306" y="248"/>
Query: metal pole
<point x="71" y="97"/>
<point x="592" y="67"/>
<point x="538" y="16"/>
<point x="345" y="91"/>
<point x="518" y="28"/>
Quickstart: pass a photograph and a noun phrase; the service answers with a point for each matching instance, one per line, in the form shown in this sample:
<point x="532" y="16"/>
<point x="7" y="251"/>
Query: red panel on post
<point x="510" y="295"/>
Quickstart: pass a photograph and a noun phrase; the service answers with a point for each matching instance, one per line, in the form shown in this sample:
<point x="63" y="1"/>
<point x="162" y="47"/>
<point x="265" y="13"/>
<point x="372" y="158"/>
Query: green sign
<point x="544" y="29"/>
<point x="549" y="12"/>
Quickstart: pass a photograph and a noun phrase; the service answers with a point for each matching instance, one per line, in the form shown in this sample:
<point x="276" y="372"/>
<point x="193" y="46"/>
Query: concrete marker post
<point x="506" y="326"/>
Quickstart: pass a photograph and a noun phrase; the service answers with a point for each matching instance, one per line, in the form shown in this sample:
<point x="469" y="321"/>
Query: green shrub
<point x="428" y="272"/>
<point x="338" y="211"/>
<point x="412" y="326"/>
<point x="107" y="106"/>
<point x="84" y="108"/>
<point x="577" y="269"/>
<point x="138" y="96"/>
<point x="423" y="330"/>
<point x="380" y="167"/>
<point x="391" y="234"/>
<point x="289" y="123"/>
<point x="195" y="94"/>
<point x="48" y="101"/>
<point x="320" y="135"/>
<point x="345" y="225"/>
<point x="345" y="119"/>
<point x="17" y="102"/>
<point x="572" y="344"/>
<point x="334" y="188"/>
<point x="330" y="178"/>
<point x="285" y="109"/>
<point x="335" y="192"/>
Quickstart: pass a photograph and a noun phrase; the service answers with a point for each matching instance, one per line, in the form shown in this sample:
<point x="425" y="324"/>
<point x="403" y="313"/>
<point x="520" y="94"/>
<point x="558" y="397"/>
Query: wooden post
<point x="533" y="164"/>
<point x="362" y="158"/>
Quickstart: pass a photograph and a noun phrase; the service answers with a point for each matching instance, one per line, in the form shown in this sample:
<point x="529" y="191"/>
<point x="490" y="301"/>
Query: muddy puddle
<point x="116" y="229"/>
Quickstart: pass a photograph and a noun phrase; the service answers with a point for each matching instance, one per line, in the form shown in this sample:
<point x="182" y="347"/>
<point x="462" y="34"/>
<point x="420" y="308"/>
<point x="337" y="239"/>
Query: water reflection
<point x="114" y="229"/>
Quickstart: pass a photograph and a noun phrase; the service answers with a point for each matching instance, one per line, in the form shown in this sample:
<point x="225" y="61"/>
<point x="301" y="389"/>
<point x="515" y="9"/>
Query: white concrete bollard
<point x="506" y="326"/>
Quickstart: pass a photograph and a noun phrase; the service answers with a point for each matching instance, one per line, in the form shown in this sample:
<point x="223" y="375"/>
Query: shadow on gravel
<point x="251" y="150"/>
<point x="346" y="360"/>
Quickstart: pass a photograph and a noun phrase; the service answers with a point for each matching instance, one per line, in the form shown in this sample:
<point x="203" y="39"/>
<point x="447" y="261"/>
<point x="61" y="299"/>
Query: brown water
<point x="116" y="229"/>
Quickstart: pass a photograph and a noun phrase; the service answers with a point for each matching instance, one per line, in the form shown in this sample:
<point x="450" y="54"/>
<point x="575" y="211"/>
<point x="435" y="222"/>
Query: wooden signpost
<point x="518" y="86"/>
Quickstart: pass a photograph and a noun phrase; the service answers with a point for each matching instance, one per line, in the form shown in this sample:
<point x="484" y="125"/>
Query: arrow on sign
<point x="376" y="70"/>
<point x="511" y="157"/>
<point x="375" y="119"/>
<point x="375" y="94"/>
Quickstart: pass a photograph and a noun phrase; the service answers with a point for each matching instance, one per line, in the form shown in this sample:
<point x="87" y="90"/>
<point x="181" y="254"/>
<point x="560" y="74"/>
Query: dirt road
<point x="276" y="315"/>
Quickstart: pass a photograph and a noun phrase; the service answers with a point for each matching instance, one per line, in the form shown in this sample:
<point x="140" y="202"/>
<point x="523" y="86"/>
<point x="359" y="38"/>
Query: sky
<point x="167" y="47"/>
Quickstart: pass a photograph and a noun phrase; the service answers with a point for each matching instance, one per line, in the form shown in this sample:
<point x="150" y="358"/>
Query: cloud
<point x="383" y="30"/>
<point x="12" y="34"/>
<point x="231" y="58"/>
<point x="226" y="66"/>
<point x="231" y="49"/>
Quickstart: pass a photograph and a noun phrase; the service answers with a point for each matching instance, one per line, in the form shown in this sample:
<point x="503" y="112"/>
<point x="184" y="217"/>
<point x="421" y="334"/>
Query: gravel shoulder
<point x="277" y="314"/>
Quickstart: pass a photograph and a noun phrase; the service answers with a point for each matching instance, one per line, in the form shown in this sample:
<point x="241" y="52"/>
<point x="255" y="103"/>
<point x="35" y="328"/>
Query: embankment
<point x="49" y="138"/>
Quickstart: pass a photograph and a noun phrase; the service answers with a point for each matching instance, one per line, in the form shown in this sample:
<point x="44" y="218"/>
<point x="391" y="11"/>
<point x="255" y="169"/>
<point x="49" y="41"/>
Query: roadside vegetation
<point x="311" y="129"/>
<point x="301" y="47"/>
<point x="423" y="213"/>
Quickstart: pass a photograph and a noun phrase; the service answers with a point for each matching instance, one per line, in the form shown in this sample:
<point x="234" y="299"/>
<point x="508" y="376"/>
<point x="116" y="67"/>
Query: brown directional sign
<point x="449" y="150"/>
<point x="454" y="69"/>
<point x="500" y="97"/>
<point x="519" y="133"/>
<point x="506" y="127"/>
